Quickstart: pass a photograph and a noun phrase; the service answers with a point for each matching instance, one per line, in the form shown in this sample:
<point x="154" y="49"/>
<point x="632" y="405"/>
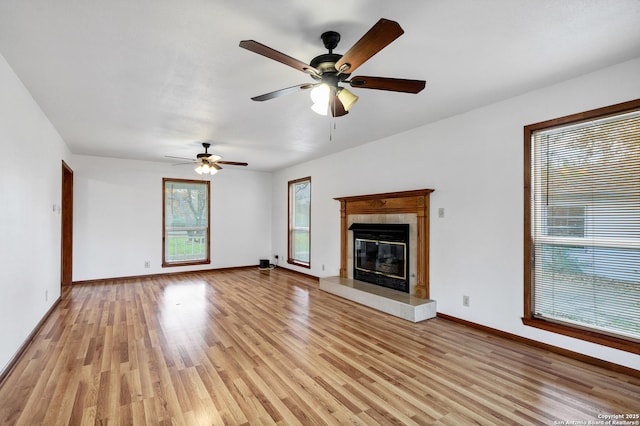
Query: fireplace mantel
<point x="416" y="201"/>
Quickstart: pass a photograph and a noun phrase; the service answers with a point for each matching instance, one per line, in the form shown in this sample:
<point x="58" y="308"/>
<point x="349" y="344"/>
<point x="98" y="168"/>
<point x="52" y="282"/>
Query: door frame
<point x="66" y="228"/>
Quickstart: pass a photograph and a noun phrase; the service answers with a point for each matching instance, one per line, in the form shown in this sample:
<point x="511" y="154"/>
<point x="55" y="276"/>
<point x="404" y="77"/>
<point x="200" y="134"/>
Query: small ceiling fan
<point x="331" y="69"/>
<point x="208" y="163"/>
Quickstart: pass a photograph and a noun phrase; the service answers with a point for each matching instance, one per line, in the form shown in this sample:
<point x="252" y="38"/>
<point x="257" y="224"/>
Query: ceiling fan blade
<point x="391" y="84"/>
<point x="182" y="164"/>
<point x="336" y="107"/>
<point x="215" y="166"/>
<point x="377" y="38"/>
<point x="282" y="92"/>
<point x="232" y="163"/>
<point x="270" y="53"/>
<point x="179" y="158"/>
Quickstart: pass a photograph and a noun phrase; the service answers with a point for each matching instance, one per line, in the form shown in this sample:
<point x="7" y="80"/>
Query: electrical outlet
<point x="441" y="212"/>
<point x="465" y="301"/>
<point x="275" y="256"/>
<point x="323" y="266"/>
<point x="147" y="264"/>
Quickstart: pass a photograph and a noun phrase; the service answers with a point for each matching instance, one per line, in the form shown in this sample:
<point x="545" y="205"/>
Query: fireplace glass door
<point x="381" y="257"/>
<point x="381" y="254"/>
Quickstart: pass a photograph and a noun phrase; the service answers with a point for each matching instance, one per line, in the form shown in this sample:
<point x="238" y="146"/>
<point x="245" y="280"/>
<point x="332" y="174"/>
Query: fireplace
<point x="404" y="207"/>
<point x="381" y="254"/>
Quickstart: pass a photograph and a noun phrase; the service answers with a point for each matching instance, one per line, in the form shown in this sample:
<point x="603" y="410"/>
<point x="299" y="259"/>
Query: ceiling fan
<point x="332" y="69"/>
<point x="208" y="163"/>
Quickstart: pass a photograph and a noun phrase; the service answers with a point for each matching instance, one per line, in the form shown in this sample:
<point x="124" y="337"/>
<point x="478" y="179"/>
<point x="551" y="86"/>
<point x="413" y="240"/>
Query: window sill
<point x="582" y="334"/>
<point x="198" y="262"/>
<point x="300" y="264"/>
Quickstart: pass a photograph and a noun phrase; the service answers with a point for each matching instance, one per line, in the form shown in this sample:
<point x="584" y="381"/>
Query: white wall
<point x="31" y="154"/>
<point x="118" y="217"/>
<point x="474" y="161"/>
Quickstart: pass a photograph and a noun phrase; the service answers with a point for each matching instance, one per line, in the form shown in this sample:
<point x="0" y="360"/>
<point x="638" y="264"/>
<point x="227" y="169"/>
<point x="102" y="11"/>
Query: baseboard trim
<point x="555" y="349"/>
<point x="162" y="274"/>
<point x="14" y="361"/>
<point x="304" y="274"/>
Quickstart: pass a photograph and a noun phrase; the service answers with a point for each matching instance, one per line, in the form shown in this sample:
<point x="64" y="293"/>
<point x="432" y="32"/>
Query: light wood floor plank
<point x="248" y="347"/>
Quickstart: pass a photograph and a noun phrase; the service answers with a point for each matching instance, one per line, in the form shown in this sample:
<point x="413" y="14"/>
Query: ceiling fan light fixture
<point x="321" y="109"/>
<point x="320" y="94"/>
<point x="204" y="168"/>
<point x="347" y="98"/>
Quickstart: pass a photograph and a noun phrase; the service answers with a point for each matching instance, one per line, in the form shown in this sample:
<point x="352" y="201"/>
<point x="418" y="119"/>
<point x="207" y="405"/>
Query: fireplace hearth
<point x="381" y="254"/>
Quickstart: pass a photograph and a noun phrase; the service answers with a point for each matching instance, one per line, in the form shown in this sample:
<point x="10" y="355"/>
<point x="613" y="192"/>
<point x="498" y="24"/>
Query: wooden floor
<point x="249" y="347"/>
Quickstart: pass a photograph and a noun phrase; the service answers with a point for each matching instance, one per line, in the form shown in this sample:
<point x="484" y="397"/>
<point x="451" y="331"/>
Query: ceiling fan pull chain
<point x="332" y="126"/>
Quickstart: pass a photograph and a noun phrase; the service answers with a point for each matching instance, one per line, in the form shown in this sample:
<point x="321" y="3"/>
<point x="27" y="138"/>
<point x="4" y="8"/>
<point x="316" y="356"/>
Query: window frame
<point x="290" y="226"/>
<point x="575" y="331"/>
<point x="207" y="259"/>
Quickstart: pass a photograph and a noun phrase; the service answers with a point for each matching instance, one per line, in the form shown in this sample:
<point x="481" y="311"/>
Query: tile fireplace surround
<point x="411" y="207"/>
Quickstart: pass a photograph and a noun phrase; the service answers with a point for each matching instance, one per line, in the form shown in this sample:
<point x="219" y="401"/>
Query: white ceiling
<point x="142" y="79"/>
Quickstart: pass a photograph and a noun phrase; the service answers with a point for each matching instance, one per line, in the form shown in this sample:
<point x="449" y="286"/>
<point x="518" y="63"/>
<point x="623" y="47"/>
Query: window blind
<point x="585" y="202"/>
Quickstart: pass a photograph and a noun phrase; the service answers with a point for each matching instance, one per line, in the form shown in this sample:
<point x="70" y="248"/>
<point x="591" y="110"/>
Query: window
<point x="565" y="221"/>
<point x="299" y="222"/>
<point x="582" y="225"/>
<point x="185" y="217"/>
